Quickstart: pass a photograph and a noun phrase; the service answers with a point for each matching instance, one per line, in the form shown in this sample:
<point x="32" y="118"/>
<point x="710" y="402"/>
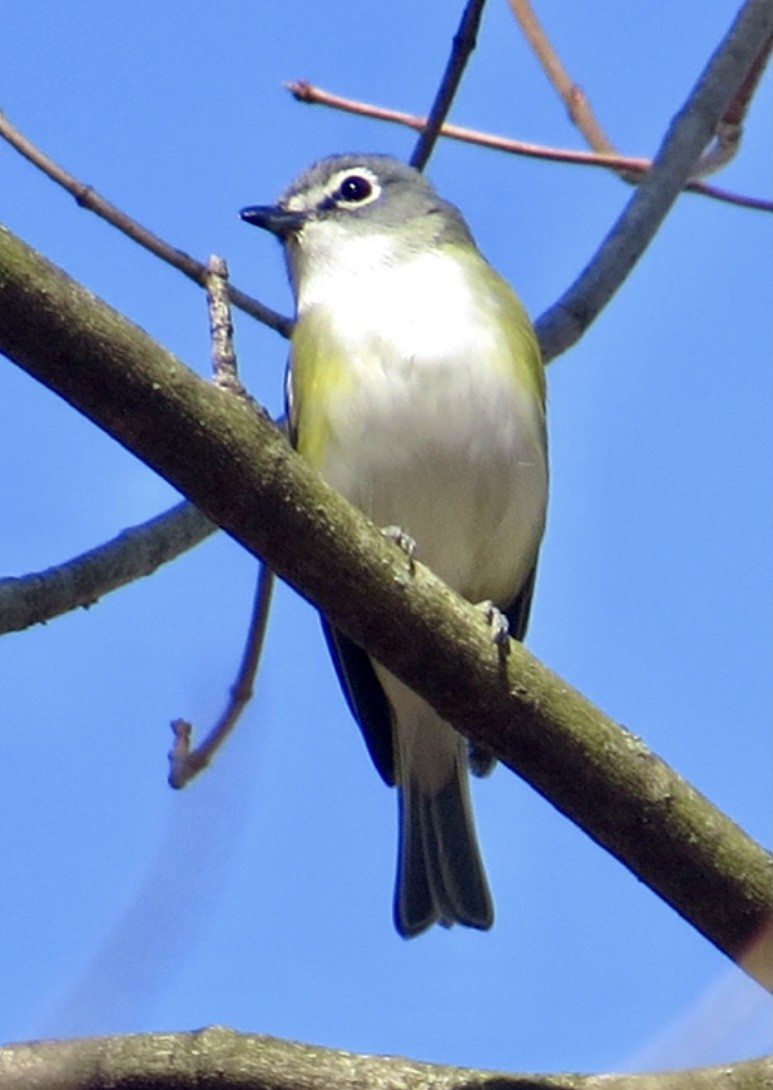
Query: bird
<point x="415" y="386"/>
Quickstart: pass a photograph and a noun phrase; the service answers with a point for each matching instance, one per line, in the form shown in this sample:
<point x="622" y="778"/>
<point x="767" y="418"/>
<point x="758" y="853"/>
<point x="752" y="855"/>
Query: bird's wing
<point x="517" y="612"/>
<point x="365" y="697"/>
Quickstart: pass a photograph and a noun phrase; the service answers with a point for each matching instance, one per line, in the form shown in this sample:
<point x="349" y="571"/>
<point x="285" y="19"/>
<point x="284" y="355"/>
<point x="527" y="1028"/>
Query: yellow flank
<point x="322" y="377"/>
<point x="500" y="308"/>
<point x="319" y="376"/>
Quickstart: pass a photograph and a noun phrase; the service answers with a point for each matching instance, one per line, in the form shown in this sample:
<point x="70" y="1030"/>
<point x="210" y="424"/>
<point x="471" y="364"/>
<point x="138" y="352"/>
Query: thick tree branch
<point x="221" y="1057"/>
<point x="140" y="550"/>
<point x="237" y="467"/>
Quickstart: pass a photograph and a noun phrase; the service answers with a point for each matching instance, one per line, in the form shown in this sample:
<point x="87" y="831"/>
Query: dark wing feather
<point x="518" y="611"/>
<point x="365" y="697"/>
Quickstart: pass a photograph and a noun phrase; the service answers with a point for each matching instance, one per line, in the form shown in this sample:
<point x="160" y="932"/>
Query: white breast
<point x="436" y="435"/>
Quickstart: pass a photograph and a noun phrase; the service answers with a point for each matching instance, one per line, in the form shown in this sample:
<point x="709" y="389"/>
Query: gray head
<point x="363" y="194"/>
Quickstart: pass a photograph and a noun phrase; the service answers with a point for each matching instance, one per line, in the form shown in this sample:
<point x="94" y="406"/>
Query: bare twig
<point x="574" y="97"/>
<point x="727" y="135"/>
<point x="88" y="197"/>
<point x="221" y="331"/>
<point x="690" y="131"/>
<point x="304" y="91"/>
<point x="185" y="763"/>
<point x="80" y="582"/>
<point x="464" y="43"/>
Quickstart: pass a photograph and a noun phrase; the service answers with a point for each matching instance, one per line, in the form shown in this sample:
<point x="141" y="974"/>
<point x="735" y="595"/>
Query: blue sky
<point x="261" y="896"/>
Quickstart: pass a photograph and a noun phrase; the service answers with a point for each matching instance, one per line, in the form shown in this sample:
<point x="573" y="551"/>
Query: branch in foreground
<point x="624" y="165"/>
<point x="87" y="197"/>
<point x="220" y="1057"/>
<point x="80" y="582"/>
<point x="463" y="46"/>
<point x="237" y="467"/>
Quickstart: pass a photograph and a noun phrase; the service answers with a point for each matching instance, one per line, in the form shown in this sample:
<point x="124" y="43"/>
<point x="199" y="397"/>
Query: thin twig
<point x="87" y="197"/>
<point x="80" y="582"/>
<point x="186" y="763"/>
<point x="727" y="136"/>
<point x="463" y="45"/>
<point x="224" y="368"/>
<point x="577" y="104"/>
<point x="304" y="91"/>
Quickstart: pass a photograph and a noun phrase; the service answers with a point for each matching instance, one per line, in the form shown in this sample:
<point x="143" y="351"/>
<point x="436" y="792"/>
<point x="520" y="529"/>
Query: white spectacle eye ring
<point x="347" y="190"/>
<point x="353" y="188"/>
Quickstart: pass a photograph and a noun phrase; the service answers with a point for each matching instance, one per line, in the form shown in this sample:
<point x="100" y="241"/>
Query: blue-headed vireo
<point x="416" y="387"/>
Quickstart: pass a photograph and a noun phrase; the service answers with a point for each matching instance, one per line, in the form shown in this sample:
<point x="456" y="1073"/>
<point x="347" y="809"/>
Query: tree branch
<point x="574" y="98"/>
<point x="88" y="197"/>
<point x="79" y="582"/>
<point x="625" y="165"/>
<point x="186" y="763"/>
<point x="464" y="43"/>
<point x="730" y="77"/>
<point x="730" y="126"/>
<point x="689" y="133"/>
<point x="220" y="1057"/>
<point x="237" y="467"/>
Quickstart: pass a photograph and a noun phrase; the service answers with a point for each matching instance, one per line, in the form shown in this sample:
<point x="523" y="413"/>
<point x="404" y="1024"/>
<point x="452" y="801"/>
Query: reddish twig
<point x="88" y="197"/>
<point x="308" y="92"/>
<point x="464" y="43"/>
<point x="727" y="137"/>
<point x="575" y="99"/>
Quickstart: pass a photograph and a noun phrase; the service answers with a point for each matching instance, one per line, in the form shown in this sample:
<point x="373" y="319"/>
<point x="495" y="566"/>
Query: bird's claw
<point x="403" y="541"/>
<point x="499" y="625"/>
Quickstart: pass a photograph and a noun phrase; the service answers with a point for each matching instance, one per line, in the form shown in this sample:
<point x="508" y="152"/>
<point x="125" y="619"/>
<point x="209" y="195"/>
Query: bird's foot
<point x="499" y="625"/>
<point x="403" y="541"/>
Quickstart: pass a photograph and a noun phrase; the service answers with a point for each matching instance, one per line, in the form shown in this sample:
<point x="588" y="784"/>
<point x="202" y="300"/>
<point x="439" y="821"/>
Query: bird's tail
<point x="440" y="875"/>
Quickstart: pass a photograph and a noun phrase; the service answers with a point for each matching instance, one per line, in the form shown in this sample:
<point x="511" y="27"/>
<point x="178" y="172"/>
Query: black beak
<point x="279" y="221"/>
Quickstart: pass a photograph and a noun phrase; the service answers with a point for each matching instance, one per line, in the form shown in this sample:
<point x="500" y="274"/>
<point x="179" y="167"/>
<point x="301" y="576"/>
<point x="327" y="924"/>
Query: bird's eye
<point x="354" y="189"/>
